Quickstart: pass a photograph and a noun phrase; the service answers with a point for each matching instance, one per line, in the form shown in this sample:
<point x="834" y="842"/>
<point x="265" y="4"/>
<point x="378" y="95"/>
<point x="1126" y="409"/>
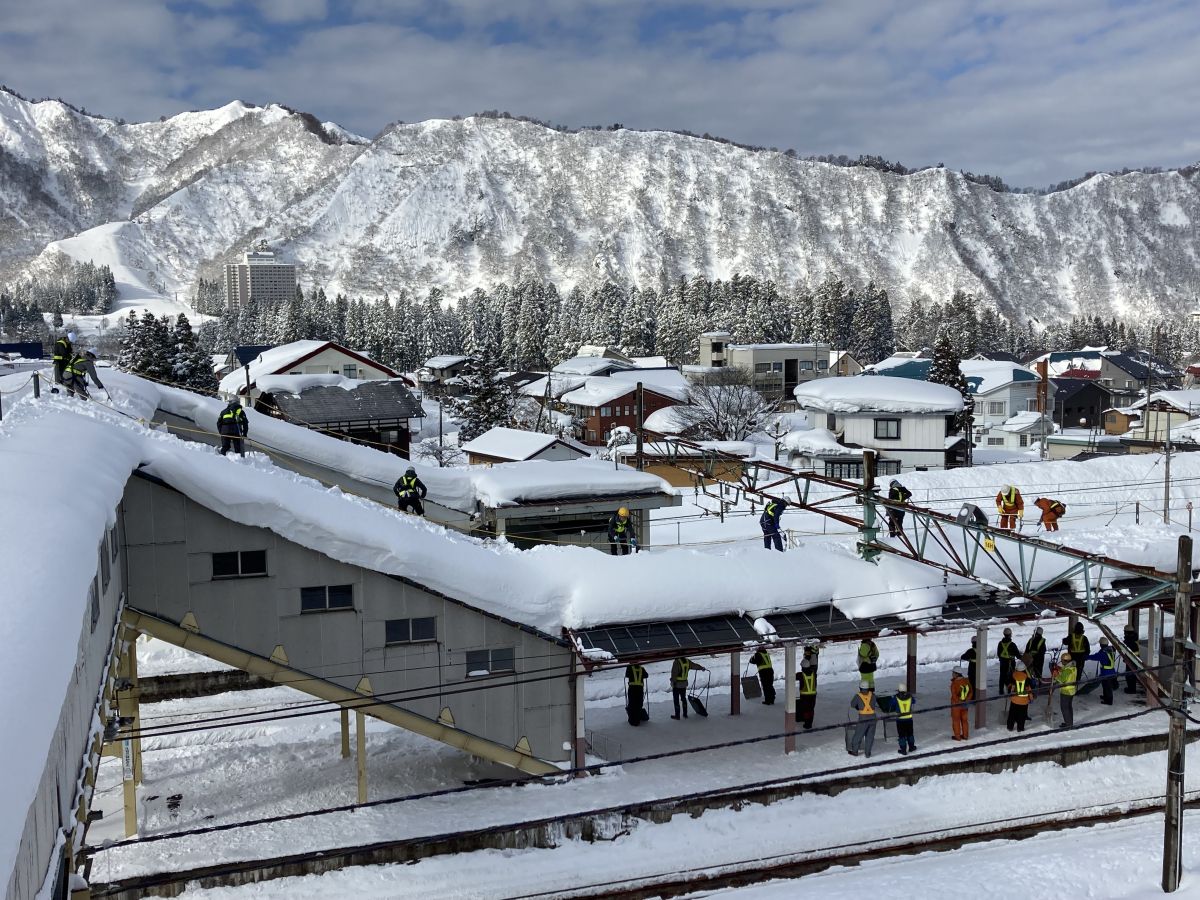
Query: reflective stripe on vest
<point x="1110" y="661"/>
<point x="762" y="659"/>
<point x="684" y="666"/>
<point x="637" y="676"/>
<point x="1077" y="643"/>
<point x="1006" y="649"/>
<point x="964" y="691"/>
<point x="1036" y="645"/>
<point x="1067" y="685"/>
<point x="62" y="347"/>
<point x="769" y="510"/>
<point x="808" y="683"/>
<point x="868" y="709"/>
<point x="77" y="366"/>
<point x="1020" y="684"/>
<point x="905" y="707"/>
<point x="1009" y="497"/>
<point x="620" y="525"/>
<point x="1057" y="508"/>
<point x="231" y="414"/>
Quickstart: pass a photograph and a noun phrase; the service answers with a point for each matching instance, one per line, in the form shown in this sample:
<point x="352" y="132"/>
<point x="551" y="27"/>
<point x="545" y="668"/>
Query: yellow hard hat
<point x="622" y="512"/>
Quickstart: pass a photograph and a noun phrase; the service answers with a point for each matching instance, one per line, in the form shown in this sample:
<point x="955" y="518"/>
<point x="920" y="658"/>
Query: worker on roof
<point x="680" y="670"/>
<point x="1035" y="654"/>
<point x="1020" y="687"/>
<point x="1052" y="511"/>
<point x="766" y="674"/>
<point x="75" y="376"/>
<point x="868" y="660"/>
<point x="1064" y="676"/>
<point x="904" y="720"/>
<point x="962" y="692"/>
<point x="806" y="688"/>
<point x="1106" y="656"/>
<point x="410" y="490"/>
<point x="1011" y="507"/>
<point x="635" y="697"/>
<point x="863" y="703"/>
<point x="1006" y="652"/>
<point x="897" y="493"/>
<point x="769" y="523"/>
<point x="621" y="534"/>
<point x="64" y="349"/>
<point x="233" y="426"/>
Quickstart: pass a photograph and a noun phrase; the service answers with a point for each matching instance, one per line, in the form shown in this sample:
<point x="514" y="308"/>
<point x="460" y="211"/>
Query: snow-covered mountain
<point x="460" y="204"/>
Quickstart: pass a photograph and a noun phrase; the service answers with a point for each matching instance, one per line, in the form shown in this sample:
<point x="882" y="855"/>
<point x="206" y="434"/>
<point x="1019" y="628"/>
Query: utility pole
<point x="1167" y="474"/>
<point x="1043" y="401"/>
<point x="1146" y="408"/>
<point x="1177" y="733"/>
<point x="869" y="530"/>
<point x="640" y="409"/>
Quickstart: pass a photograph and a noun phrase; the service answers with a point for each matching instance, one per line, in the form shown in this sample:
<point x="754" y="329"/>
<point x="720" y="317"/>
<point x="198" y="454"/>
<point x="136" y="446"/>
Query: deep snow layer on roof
<point x="817" y="442"/>
<point x="1184" y="401"/>
<point x="877" y="393"/>
<point x="515" y="444"/>
<point x="268" y="363"/>
<point x="589" y="365"/>
<point x="668" y="382"/>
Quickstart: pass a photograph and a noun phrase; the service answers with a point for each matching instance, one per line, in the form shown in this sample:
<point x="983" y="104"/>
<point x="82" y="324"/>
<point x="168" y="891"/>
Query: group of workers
<point x="73" y="366"/>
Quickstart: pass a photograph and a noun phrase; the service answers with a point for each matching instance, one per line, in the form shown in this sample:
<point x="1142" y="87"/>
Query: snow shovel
<point x="700" y="706"/>
<point x="751" y="686"/>
<point x="849" y="729"/>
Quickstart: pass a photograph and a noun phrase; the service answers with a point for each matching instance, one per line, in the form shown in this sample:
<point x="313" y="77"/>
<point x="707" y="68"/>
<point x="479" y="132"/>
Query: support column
<point x="345" y="733"/>
<point x="789" y="697"/>
<point x="501" y="526"/>
<point x="360" y="737"/>
<point x="1153" y="653"/>
<point x="129" y="787"/>
<point x="735" y="683"/>
<point x="910" y="677"/>
<point x="981" y="660"/>
<point x="579" y="739"/>
<point x="1176" y="734"/>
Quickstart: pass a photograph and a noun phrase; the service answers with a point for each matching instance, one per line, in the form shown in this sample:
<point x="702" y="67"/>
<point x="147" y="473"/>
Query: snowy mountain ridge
<point x="467" y="203"/>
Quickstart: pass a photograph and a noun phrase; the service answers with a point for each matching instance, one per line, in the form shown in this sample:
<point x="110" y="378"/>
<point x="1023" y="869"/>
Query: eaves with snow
<point x="864" y="395"/>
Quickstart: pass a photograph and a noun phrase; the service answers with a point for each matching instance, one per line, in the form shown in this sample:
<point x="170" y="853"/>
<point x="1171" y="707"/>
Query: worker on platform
<point x="769" y="523"/>
<point x="680" y="669"/>
<point x="410" y="490"/>
<point x="962" y="692"/>
<point x="1020" y="687"/>
<point x="635" y="702"/>
<point x="971" y="658"/>
<point x="1064" y="676"/>
<point x="897" y="493"/>
<point x="64" y="349"/>
<point x="1006" y="652"/>
<point x="621" y="535"/>
<point x="766" y="674"/>
<point x="868" y="660"/>
<point x="1011" y="507"/>
<point x="863" y="703"/>
<point x="1106" y="656"/>
<point x="1035" y="654"/>
<point x="904" y="720"/>
<point x="1052" y="511"/>
<point x="233" y="426"/>
<point x="1133" y="642"/>
<point x="1079" y="647"/>
<point x="806" y="689"/>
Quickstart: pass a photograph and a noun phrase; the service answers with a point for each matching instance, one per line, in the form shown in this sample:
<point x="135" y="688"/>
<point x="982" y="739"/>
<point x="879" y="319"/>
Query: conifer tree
<point x="190" y="365"/>
<point x="486" y="401"/>
<point x="946" y="369"/>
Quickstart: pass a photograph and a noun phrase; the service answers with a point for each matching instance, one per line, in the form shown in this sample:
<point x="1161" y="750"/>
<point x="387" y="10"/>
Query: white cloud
<point x="291" y="11"/>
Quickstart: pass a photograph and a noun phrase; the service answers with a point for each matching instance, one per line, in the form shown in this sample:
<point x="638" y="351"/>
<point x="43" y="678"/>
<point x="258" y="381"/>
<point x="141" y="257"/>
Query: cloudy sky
<point x="1032" y="90"/>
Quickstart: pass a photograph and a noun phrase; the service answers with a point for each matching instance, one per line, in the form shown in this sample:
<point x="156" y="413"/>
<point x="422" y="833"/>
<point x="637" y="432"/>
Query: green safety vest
<point x="770" y="509"/>
<point x="62" y="349"/>
<point x="1067" y="682"/>
<point x="905" y="707"/>
<point x="1110" y="660"/>
<point x="637" y="676"/>
<point x="762" y="659"/>
<point x="684" y="666"/>
<point x="808" y="683"/>
<point x="1021" y="684"/>
<point x="234" y="415"/>
<point x="1006" y="649"/>
<point x="77" y="365"/>
<point x="620" y="525"/>
<point x="1009" y="497"/>
<point x="1037" y="644"/>
<point x="1077" y="643"/>
<point x="409" y="482"/>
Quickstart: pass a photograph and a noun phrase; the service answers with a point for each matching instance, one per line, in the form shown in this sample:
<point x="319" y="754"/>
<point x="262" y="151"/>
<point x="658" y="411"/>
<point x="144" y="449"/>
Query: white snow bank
<point x="294" y="384"/>
<point x="817" y="442"/>
<point x="877" y="393"/>
<point x="515" y="444"/>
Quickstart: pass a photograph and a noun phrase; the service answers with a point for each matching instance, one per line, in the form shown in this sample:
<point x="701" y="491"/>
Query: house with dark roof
<point x="1080" y="400"/>
<point x="376" y="413"/>
<point x="315" y="358"/>
<point x="1126" y="375"/>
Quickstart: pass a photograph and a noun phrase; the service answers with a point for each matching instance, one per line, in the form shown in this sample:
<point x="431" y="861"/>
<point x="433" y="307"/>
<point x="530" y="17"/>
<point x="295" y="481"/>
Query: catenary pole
<point x="1177" y="733"/>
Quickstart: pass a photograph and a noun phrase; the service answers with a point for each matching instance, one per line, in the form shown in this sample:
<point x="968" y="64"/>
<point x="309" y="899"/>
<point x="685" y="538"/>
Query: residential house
<point x="502" y="445"/>
<point x="684" y="466"/>
<point x="1080" y="401"/>
<point x="1120" y="420"/>
<point x="843" y="364"/>
<point x="777" y="368"/>
<point x="819" y="450"/>
<point x="379" y="414"/>
<point x="1164" y="411"/>
<point x="997" y="356"/>
<point x="1126" y="375"/>
<point x="910" y="424"/>
<point x="590" y="365"/>
<point x="602" y="404"/>
<point x="598" y="351"/>
<point x="301" y="358"/>
<point x="439" y="375"/>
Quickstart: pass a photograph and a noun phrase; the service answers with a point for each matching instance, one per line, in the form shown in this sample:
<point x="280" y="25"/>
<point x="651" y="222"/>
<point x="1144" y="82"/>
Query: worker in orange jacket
<point x="961" y="693"/>
<point x="1011" y="506"/>
<point x="1052" y="511"/>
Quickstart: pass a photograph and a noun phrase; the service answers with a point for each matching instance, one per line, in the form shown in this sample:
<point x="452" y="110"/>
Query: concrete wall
<point x="54" y="805"/>
<point x="171" y="541"/>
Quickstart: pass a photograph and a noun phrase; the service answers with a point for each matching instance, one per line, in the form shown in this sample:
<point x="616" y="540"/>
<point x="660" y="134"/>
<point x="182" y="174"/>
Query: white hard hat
<point x="863" y="685"/>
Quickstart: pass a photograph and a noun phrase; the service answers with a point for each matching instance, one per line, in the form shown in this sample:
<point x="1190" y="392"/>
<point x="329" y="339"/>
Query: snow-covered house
<point x="589" y="366"/>
<point x="818" y="449"/>
<point x="1126" y="375"/>
<point x="684" y="466"/>
<point x="909" y="423"/>
<point x="602" y="404"/>
<point x="843" y="364"/>
<point x="776" y="368"/>
<point x="1005" y="395"/>
<point x="1165" y="410"/>
<point x="378" y="413"/>
<point x="502" y="445"/>
<point x="301" y="358"/>
<point x="439" y="374"/>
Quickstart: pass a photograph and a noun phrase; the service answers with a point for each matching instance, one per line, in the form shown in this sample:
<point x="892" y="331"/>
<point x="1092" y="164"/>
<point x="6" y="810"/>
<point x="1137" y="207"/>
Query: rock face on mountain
<point x="459" y="204"/>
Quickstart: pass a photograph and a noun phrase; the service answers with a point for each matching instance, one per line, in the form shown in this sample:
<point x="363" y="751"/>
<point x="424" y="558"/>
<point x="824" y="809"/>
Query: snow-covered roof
<point x="444" y="362"/>
<point x="589" y="365"/>
<point x="1184" y="401"/>
<point x="668" y="382"/>
<point x="277" y="359"/>
<point x="744" y="449"/>
<point x="559" y="384"/>
<point x="601" y="390"/>
<point x="515" y="444"/>
<point x="780" y="346"/>
<point x="986" y="376"/>
<point x="294" y="384"/>
<point x="817" y="442"/>
<point x="1022" y="421"/>
<point x="666" y="421"/>
<point x="649" y="362"/>
<point x="878" y="393"/>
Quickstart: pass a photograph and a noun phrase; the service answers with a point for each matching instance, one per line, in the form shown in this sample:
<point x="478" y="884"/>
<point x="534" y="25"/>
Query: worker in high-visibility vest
<point x="806" y="689"/>
<point x="1021" y="689"/>
<point x="904" y="720"/>
<point x="1080" y="648"/>
<point x="868" y="660"/>
<point x="635" y="705"/>
<point x="766" y="674"/>
<point x="1011" y="506"/>
<point x="962" y="691"/>
<point x="1107" y="657"/>
<point x="1065" y="681"/>
<point x="864" y="704"/>
<point x="1052" y="511"/>
<point x="1035" y="654"/>
<point x="1007" y="653"/>
<point x="680" y="669"/>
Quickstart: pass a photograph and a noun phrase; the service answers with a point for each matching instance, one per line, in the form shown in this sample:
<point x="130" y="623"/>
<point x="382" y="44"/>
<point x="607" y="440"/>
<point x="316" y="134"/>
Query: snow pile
<point x="515" y="444"/>
<point x="817" y="442"/>
<point x="877" y="393"/>
<point x="541" y="481"/>
<point x="1184" y="401"/>
<point x="294" y="384"/>
<point x="588" y="365"/>
<point x="668" y="382"/>
<point x="269" y="362"/>
<point x="601" y="390"/>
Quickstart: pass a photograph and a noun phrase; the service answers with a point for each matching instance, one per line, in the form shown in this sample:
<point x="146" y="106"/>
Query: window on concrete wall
<point x="1024" y="440"/>
<point x="806" y="365"/>
<point x="326" y="597"/>
<point x="830" y="422"/>
<point x="995" y="442"/>
<point x="410" y="631"/>
<point x="887" y="429"/>
<point x="481" y="663"/>
<point x="240" y="564"/>
<point x="350" y="371"/>
<point x="843" y="470"/>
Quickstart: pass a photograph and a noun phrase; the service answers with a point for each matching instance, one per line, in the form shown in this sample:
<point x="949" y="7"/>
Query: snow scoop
<point x="700" y="706"/>
<point x="634" y="715"/>
<point x="751" y="686"/>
